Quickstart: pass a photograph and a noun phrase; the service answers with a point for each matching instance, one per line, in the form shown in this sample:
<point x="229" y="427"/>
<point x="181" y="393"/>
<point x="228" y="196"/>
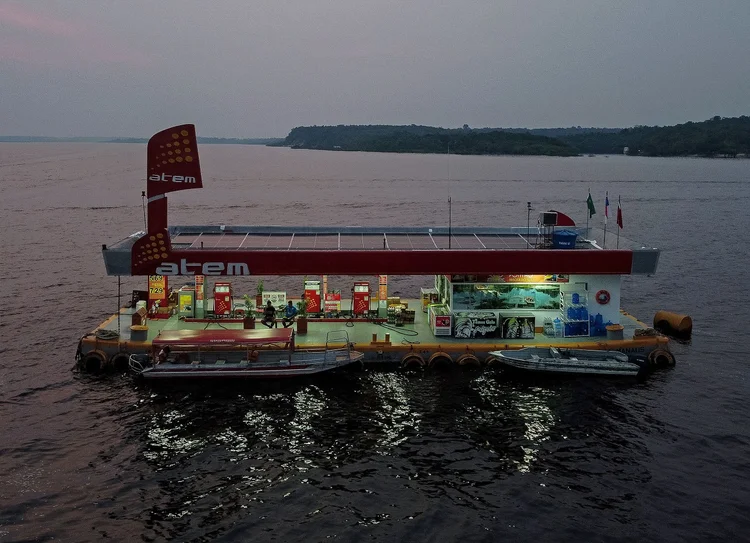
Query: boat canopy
<point x="200" y="338"/>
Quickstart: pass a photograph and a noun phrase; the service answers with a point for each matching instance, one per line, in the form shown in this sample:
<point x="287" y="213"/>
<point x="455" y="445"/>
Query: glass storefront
<point x="488" y="296"/>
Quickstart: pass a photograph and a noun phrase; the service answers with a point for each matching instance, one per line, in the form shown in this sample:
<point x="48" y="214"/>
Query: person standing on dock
<point x="269" y="315"/>
<point x="289" y="313"/>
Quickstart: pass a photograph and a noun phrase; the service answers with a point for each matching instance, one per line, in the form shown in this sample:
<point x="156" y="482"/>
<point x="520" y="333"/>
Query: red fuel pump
<point x="222" y="299"/>
<point x="361" y="298"/>
<point x="312" y="296"/>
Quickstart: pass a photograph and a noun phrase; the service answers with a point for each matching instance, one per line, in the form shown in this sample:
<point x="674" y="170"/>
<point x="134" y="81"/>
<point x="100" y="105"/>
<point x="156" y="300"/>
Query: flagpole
<point x="588" y="213"/>
<point x="618" y="220"/>
<point x="606" y="213"/>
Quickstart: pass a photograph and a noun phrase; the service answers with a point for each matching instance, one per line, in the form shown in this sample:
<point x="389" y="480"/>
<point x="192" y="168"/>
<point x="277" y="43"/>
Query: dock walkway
<point x="380" y="342"/>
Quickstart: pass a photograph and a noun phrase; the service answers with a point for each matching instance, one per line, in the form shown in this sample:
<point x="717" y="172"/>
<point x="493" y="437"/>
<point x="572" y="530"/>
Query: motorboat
<point x="573" y="361"/>
<point x="235" y="354"/>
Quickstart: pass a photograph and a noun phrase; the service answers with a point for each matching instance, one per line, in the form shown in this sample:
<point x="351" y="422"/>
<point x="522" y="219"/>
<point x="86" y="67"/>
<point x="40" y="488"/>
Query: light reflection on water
<point x="165" y="439"/>
<point x="394" y="417"/>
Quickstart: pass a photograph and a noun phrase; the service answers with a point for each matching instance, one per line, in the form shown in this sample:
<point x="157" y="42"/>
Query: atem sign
<point x="207" y="268"/>
<point x="167" y="178"/>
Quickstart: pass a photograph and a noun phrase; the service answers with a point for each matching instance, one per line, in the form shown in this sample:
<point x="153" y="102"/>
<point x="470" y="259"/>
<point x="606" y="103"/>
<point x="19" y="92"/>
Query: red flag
<point x="619" y="214"/>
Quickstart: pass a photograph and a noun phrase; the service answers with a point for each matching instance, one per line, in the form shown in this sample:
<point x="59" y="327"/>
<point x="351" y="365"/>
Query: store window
<point x="505" y="296"/>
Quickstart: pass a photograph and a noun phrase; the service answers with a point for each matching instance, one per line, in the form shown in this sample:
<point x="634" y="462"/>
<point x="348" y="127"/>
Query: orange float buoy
<point x="673" y="324"/>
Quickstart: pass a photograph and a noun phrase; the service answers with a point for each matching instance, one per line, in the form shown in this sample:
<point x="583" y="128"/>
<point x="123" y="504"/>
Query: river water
<point x="378" y="456"/>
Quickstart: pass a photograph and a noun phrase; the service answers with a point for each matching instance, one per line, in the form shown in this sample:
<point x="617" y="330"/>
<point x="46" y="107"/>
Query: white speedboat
<point x="572" y="361"/>
<point x="240" y="354"/>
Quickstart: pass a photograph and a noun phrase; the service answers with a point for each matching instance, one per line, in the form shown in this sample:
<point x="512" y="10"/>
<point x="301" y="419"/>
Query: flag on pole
<point x="590" y="204"/>
<point x="619" y="212"/>
<point x="606" y="206"/>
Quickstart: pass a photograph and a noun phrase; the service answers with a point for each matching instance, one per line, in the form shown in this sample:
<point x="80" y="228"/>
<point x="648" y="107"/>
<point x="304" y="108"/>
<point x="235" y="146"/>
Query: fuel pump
<point x="223" y="299"/>
<point x="361" y="298"/>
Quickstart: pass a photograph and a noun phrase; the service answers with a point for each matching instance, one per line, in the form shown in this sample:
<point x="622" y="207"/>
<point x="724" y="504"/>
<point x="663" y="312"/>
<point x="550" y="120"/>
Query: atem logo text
<point x="168" y="178"/>
<point x="207" y="268"/>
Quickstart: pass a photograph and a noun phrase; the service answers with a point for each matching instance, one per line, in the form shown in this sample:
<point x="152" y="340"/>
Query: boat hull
<point x="602" y="363"/>
<point x="281" y="370"/>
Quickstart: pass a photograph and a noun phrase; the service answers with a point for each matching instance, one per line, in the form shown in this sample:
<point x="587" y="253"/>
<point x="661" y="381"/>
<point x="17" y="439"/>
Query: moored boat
<point x="572" y="361"/>
<point x="246" y="354"/>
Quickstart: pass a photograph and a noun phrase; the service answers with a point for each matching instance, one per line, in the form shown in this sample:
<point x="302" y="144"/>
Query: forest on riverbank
<point x="716" y="137"/>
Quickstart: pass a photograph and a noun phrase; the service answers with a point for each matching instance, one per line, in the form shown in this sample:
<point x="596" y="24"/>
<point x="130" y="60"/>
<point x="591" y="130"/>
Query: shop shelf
<point x="575" y="316"/>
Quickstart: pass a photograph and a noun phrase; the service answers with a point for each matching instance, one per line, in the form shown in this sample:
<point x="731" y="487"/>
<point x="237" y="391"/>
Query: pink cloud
<point x="15" y="15"/>
<point x="41" y="38"/>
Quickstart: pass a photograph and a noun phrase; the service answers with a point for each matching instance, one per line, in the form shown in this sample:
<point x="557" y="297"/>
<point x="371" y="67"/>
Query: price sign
<point x="333" y="302"/>
<point x="157" y="289"/>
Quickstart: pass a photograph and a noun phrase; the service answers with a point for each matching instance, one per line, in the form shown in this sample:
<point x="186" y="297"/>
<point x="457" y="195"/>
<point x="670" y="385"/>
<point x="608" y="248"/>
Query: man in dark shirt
<point x="269" y="315"/>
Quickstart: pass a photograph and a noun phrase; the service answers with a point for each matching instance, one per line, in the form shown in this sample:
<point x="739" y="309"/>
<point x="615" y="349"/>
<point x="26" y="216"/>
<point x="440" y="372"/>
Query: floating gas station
<point x="485" y="288"/>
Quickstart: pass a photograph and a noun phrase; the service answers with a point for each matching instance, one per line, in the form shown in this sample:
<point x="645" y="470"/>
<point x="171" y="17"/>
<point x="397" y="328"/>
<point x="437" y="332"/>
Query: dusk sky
<point x="245" y="68"/>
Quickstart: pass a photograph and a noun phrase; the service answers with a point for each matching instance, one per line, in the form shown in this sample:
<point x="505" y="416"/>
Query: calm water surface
<point x="376" y="455"/>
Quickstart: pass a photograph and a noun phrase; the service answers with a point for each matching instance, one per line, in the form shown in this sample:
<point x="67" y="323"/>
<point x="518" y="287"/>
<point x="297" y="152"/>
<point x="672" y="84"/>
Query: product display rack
<point x="575" y="316"/>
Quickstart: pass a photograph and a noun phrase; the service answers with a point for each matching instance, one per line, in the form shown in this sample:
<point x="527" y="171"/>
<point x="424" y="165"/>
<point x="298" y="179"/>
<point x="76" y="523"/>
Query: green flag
<point x="590" y="203"/>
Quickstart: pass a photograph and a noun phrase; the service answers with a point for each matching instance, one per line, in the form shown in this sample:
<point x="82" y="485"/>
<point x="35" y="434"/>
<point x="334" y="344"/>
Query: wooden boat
<point x="572" y="361"/>
<point x="247" y="354"/>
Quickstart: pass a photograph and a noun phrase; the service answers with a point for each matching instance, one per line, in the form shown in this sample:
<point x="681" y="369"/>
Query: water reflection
<point x="526" y="413"/>
<point x="363" y="437"/>
<point x="394" y="417"/>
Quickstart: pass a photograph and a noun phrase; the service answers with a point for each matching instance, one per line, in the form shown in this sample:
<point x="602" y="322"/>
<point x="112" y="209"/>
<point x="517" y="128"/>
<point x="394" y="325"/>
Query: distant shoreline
<point x="718" y="137"/>
<point x="201" y="140"/>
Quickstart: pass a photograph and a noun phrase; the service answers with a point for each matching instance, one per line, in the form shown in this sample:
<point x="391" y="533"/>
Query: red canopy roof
<point x="223" y="337"/>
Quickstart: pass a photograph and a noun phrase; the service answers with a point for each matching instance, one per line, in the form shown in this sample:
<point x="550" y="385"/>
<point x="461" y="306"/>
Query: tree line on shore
<point x="726" y="137"/>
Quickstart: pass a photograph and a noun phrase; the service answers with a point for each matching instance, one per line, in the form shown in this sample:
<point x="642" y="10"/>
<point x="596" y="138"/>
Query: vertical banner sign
<point x="172" y="164"/>
<point x="157" y="290"/>
<point x="382" y="291"/>
<point x="199" y="295"/>
<point x="199" y="281"/>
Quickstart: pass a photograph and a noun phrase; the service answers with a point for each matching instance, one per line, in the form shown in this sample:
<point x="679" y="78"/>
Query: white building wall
<point x="611" y="283"/>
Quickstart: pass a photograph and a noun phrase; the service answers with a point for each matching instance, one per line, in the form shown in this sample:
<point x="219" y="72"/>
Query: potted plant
<point x="259" y="294"/>
<point x="302" y="317"/>
<point x="249" y="319"/>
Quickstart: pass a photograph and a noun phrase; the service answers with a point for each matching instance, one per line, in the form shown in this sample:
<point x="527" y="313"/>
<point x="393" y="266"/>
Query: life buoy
<point x="603" y="297"/>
